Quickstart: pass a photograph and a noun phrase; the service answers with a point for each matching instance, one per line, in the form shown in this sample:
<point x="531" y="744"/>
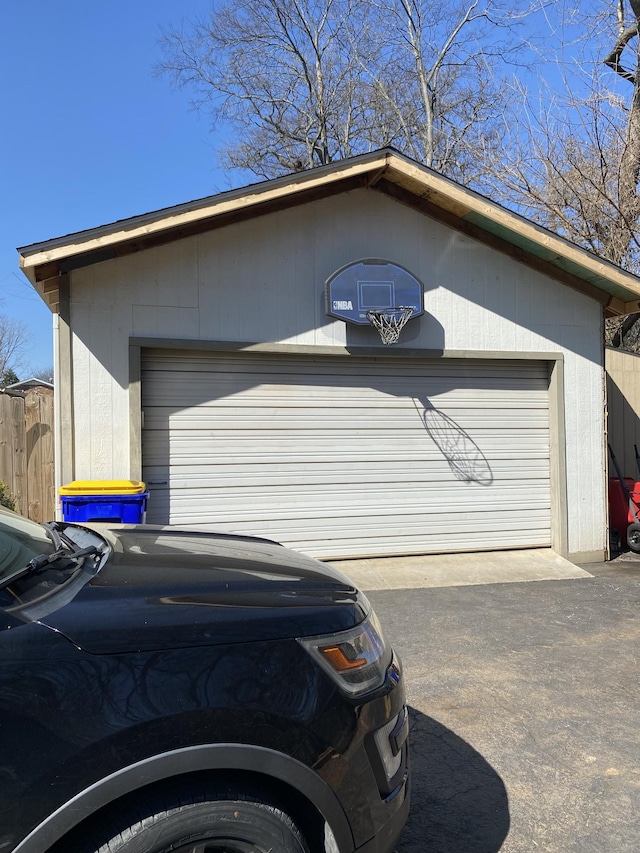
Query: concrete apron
<point x="434" y="570"/>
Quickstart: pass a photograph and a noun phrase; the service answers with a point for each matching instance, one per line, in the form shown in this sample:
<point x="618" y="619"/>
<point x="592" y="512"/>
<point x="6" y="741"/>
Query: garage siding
<point x="349" y="456"/>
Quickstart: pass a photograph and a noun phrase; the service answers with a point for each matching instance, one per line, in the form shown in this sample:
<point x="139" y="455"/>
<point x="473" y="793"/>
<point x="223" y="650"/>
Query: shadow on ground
<point x="458" y="802"/>
<point x="623" y="564"/>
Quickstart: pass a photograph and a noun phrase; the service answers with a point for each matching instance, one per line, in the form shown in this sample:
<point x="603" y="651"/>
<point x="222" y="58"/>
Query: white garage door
<point x="349" y="456"/>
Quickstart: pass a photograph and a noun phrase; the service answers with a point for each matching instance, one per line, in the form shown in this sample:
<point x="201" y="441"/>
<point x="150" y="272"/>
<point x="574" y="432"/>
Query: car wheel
<point x="200" y="820"/>
<point x="633" y="537"/>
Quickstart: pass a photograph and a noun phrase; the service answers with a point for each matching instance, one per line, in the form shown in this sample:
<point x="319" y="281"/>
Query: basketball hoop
<point x="390" y="322"/>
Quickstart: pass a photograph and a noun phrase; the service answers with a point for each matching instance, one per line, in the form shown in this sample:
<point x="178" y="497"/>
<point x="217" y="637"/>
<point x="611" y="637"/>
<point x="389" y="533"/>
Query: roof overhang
<point x="385" y="171"/>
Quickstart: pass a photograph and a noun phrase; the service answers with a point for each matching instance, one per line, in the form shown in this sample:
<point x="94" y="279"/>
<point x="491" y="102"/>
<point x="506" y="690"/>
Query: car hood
<point x="167" y="588"/>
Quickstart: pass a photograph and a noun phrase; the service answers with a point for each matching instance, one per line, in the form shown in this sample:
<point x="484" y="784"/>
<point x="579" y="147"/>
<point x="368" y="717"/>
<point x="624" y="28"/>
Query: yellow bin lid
<point x="103" y="487"/>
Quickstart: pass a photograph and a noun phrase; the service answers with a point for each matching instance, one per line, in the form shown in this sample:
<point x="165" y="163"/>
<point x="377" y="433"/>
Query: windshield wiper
<point x="35" y="564"/>
<point x="57" y="535"/>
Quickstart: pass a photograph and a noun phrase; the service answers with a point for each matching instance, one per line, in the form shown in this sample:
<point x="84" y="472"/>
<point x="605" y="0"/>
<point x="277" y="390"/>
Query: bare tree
<point x="574" y="160"/>
<point x="278" y="73"/>
<point x="564" y="168"/>
<point x="624" y="60"/>
<point x="305" y="82"/>
<point x="439" y="76"/>
<point x="15" y="340"/>
<point x="40" y="371"/>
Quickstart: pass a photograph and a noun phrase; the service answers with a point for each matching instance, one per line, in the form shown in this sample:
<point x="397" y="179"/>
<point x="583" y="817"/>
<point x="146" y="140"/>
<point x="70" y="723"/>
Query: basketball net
<point x="390" y="323"/>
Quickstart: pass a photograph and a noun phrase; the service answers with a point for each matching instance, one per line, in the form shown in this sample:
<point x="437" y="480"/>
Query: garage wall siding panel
<point x="262" y="281"/>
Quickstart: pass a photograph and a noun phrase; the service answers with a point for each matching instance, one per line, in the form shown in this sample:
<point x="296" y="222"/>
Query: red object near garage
<point x="621" y="515"/>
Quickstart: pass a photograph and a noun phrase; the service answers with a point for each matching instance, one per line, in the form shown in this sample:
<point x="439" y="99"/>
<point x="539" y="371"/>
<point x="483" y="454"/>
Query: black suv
<point x="164" y="690"/>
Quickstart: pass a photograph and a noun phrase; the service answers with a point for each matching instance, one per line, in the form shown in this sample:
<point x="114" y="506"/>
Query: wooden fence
<point x="623" y="409"/>
<point x="27" y="452"/>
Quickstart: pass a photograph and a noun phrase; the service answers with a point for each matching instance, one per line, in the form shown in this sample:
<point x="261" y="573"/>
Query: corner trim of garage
<point x="558" y="472"/>
<point x="135" y="413"/>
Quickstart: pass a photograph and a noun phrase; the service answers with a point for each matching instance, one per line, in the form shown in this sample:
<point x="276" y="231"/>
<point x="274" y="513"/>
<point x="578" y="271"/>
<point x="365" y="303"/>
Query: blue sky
<point x="89" y="134"/>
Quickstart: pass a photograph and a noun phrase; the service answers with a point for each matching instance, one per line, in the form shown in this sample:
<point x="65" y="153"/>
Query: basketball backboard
<point x="372" y="285"/>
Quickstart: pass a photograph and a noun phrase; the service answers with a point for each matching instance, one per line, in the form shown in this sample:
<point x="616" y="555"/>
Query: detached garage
<point x="224" y="351"/>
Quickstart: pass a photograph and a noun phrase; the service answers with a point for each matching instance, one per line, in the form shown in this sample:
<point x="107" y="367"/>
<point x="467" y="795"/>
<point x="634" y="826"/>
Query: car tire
<point x="199" y="820"/>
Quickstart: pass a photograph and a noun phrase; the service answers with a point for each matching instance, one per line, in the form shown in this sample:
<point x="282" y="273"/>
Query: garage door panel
<point x="403" y="492"/>
<point x="291" y="389"/>
<point x="313" y="407"/>
<point x="424" y="542"/>
<point x="349" y="456"/>
<point x="377" y="400"/>
<point x="298" y="469"/>
<point x="304" y="526"/>
<point x="372" y="443"/>
<point x="184" y="435"/>
<point x="223" y="393"/>
<point x="449" y="535"/>
<point x="308" y="369"/>
<point x="290" y="511"/>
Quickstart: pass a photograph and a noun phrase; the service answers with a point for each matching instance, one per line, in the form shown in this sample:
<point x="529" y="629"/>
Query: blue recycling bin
<point x="120" y="501"/>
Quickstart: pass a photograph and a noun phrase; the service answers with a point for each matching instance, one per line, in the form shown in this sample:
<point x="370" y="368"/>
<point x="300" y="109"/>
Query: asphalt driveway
<point x="525" y="713"/>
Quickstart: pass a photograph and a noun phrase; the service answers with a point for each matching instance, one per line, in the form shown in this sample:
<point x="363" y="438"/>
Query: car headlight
<point x="356" y="659"/>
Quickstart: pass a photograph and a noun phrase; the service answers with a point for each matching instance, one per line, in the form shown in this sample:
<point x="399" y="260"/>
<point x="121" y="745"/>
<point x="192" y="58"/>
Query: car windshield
<point x="20" y="541"/>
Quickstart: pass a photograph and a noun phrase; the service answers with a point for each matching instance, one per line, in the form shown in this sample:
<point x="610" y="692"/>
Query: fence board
<point x="18" y="430"/>
<point x="27" y="452"/>
<point x="6" y="442"/>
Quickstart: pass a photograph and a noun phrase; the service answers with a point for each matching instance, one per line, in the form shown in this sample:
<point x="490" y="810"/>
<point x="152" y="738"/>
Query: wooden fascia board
<point x="454" y="221"/>
<point x="154" y="229"/>
<point x="448" y="196"/>
<point x="153" y="239"/>
<point x="385" y="170"/>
